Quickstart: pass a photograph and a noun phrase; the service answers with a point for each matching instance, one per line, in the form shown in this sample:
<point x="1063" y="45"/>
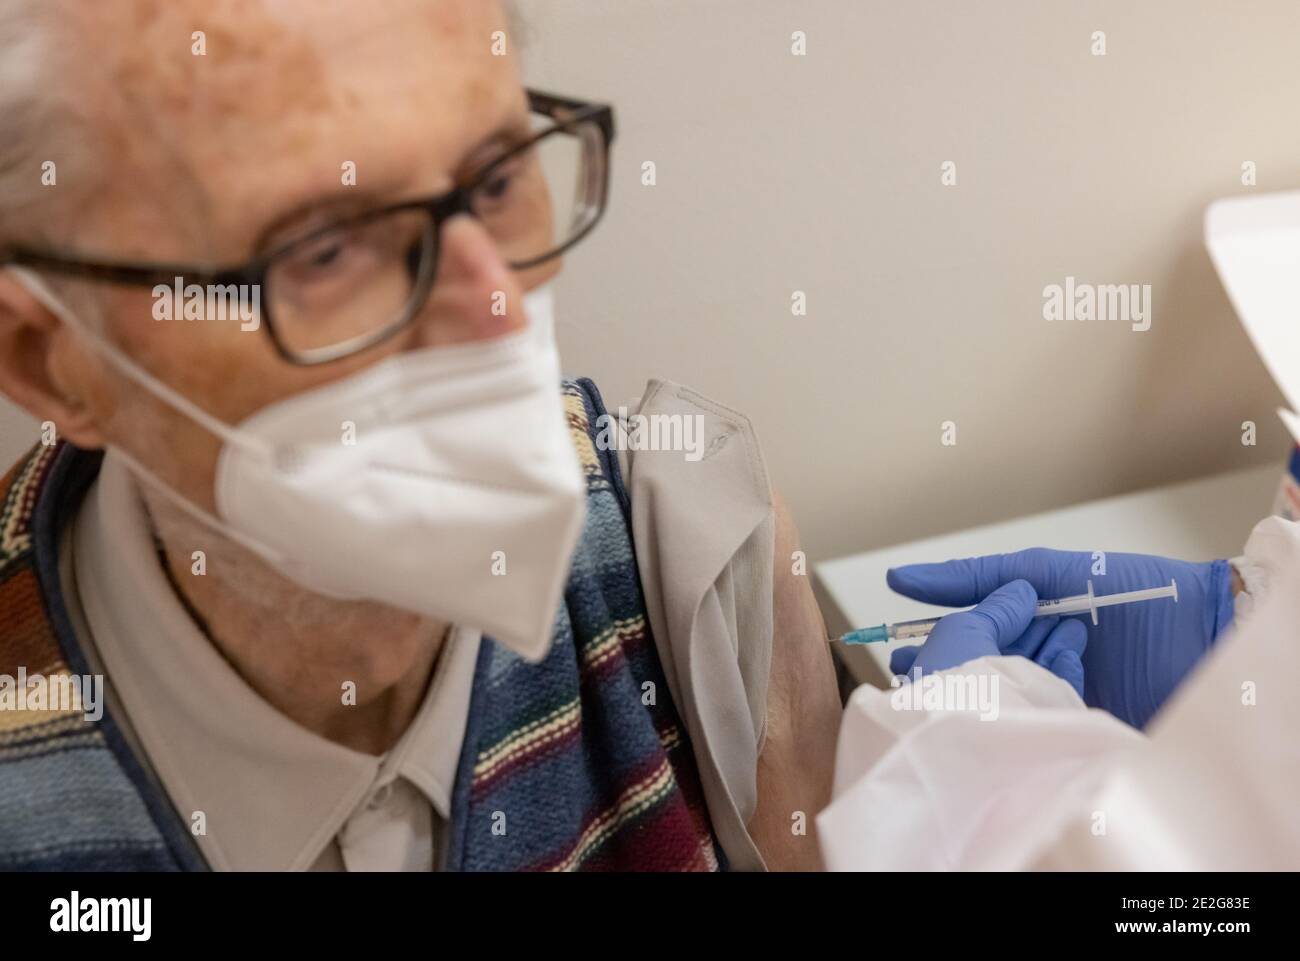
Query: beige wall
<point x="17" y="433"/>
<point x="822" y="174"/>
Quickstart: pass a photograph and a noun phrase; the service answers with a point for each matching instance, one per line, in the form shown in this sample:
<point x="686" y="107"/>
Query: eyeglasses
<point x="345" y="287"/>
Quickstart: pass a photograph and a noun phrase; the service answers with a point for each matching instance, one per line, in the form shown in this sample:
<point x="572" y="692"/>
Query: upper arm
<point x="796" y="765"/>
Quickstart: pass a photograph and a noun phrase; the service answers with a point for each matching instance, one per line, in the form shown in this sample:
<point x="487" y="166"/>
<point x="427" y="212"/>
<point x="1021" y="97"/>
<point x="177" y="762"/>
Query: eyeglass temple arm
<point x="134" y="274"/>
<point x="566" y="108"/>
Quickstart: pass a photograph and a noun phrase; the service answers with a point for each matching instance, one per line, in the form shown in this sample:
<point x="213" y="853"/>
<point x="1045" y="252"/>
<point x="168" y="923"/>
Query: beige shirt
<point x="271" y="795"/>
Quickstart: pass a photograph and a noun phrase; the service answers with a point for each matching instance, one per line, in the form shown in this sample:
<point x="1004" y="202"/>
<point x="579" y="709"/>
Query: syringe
<point x="1078" y="604"/>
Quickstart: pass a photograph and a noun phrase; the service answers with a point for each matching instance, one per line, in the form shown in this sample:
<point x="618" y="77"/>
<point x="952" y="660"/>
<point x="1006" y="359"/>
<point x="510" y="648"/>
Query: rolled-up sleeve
<point x="704" y="529"/>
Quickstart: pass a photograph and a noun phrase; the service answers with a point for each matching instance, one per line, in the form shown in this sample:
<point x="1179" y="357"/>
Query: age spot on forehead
<point x="255" y="66"/>
<point x="168" y="119"/>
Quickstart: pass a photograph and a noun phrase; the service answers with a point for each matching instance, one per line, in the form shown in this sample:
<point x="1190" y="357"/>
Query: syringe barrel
<point x="1063" y="605"/>
<point x="1060" y="606"/>
<point x="909" y="630"/>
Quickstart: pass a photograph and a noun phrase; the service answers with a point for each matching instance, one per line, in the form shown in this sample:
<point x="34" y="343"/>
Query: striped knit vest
<point x="577" y="763"/>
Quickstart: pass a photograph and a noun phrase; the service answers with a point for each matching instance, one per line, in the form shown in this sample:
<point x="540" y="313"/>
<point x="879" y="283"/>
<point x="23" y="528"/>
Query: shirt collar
<point x="272" y="793"/>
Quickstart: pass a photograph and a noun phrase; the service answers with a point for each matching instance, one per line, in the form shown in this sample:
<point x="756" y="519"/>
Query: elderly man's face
<point x="217" y="157"/>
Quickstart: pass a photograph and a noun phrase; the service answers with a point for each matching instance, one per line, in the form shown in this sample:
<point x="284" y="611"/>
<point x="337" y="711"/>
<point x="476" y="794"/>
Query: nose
<point x="475" y="295"/>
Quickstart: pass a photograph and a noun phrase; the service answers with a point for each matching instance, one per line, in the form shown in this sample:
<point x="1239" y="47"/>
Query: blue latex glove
<point x="1138" y="653"/>
<point x="1002" y="623"/>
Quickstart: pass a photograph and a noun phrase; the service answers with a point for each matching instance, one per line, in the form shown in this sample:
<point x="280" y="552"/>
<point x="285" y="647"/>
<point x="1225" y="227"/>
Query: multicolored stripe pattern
<point x="581" y="762"/>
<point x="66" y="802"/>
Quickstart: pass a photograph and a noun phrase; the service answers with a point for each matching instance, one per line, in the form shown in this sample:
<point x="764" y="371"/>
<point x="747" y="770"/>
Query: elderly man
<point x="275" y="283"/>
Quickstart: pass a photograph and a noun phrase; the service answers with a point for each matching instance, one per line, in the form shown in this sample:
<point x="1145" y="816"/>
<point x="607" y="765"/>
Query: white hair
<point x="38" y="124"/>
<point x="27" y="108"/>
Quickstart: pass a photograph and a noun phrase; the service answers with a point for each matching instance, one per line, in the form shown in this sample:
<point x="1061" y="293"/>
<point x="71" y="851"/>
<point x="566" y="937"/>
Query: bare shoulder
<point x="803" y="712"/>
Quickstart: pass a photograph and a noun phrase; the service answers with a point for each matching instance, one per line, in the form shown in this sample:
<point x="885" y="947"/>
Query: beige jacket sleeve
<point x="703" y="524"/>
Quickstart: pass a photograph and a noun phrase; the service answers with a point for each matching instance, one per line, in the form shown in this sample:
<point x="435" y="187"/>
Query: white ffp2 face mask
<point x="441" y="481"/>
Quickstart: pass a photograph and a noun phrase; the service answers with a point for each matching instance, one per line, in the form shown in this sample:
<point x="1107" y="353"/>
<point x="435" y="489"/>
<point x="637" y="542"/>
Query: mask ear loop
<point x="194" y="510"/>
<point x="134" y="371"/>
<point x="168" y="396"/>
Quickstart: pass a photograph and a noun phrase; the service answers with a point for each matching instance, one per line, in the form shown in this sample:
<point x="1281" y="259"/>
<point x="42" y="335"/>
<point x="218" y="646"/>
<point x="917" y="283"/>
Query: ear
<point x="39" y="363"/>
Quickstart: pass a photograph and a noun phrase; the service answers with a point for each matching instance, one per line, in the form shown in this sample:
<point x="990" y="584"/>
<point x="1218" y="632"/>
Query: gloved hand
<point x="1138" y="653"/>
<point x="1002" y="623"/>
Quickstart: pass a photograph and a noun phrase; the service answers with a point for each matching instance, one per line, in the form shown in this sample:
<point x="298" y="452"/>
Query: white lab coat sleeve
<point x="921" y="787"/>
<point x="1269" y="562"/>
<point x="1216" y="786"/>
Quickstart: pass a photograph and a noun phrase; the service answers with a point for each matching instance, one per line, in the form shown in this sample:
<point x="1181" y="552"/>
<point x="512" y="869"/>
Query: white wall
<point x="822" y="174"/>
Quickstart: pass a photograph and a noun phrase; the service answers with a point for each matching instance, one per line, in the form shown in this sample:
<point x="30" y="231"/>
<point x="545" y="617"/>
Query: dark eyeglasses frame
<point x="566" y="113"/>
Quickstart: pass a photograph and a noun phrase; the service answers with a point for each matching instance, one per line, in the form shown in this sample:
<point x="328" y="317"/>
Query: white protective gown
<point x="1051" y="784"/>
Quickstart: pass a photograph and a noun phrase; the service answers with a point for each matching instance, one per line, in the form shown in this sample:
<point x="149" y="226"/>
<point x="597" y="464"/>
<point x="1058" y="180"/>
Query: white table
<point x="1197" y="520"/>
